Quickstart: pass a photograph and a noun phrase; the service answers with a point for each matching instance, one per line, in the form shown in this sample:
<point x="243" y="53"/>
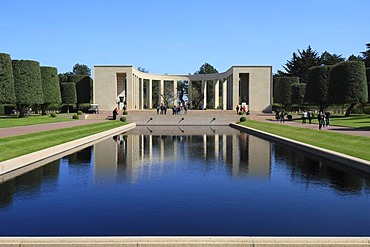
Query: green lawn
<point x="356" y="146"/>
<point x="354" y="121"/>
<point x="14" y="146"/>
<point x="6" y="122"/>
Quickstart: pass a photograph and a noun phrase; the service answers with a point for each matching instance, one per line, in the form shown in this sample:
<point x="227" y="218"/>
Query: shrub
<point x="243" y="119"/>
<point x="283" y="89"/>
<point x="366" y="110"/>
<point x="69" y="95"/>
<point x="79" y="112"/>
<point x="53" y="114"/>
<point x="317" y="86"/>
<point x="75" y="116"/>
<point x="125" y="113"/>
<point x="122" y="119"/>
<point x="240" y="113"/>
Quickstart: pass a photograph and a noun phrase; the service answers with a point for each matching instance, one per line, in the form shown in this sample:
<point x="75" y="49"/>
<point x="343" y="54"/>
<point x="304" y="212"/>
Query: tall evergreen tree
<point x="366" y="56"/>
<point x="7" y="90"/>
<point x="330" y="59"/>
<point x="301" y="62"/>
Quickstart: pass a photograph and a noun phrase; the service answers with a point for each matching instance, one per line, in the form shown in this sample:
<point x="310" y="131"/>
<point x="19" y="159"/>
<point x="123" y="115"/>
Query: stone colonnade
<point x="129" y="87"/>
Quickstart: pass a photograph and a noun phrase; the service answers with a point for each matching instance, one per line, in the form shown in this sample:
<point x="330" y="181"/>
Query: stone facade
<point x="119" y="86"/>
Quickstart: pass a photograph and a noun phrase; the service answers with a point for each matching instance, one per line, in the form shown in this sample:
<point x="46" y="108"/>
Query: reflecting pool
<point x="187" y="181"/>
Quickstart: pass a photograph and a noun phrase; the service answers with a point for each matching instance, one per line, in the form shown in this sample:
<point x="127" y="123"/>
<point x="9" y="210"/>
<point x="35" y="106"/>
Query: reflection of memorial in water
<point x="141" y="150"/>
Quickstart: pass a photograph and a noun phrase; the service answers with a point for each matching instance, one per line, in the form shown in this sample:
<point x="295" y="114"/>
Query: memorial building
<point x="126" y="86"/>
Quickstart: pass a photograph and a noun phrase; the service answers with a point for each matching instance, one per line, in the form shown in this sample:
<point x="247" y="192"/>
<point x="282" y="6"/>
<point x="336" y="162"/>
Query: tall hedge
<point x="368" y="83"/>
<point x="317" y="86"/>
<point x="27" y="84"/>
<point x="282" y="89"/>
<point x="68" y="92"/>
<point x="298" y="92"/>
<point x="347" y="83"/>
<point x="7" y="91"/>
<point x="50" y="86"/>
<point x="83" y="88"/>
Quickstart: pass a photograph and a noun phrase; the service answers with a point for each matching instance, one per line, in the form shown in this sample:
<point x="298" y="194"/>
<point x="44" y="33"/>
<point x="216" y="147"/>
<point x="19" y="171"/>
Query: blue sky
<point x="178" y="36"/>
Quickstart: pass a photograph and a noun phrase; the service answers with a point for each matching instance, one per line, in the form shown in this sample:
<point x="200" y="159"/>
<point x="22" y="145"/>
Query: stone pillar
<point x="161" y="91"/>
<point x="216" y="92"/>
<point x="190" y="92"/>
<point x="224" y="94"/>
<point x="235" y="93"/>
<point x="141" y="86"/>
<point x="175" y="92"/>
<point x="204" y="91"/>
<point x="149" y="91"/>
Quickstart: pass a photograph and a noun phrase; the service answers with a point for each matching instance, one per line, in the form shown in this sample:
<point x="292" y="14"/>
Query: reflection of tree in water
<point x="313" y="171"/>
<point x="82" y="157"/>
<point x="29" y="185"/>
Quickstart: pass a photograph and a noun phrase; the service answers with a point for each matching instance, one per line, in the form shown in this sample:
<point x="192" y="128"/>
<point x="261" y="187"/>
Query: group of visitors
<point x="242" y="109"/>
<point x="324" y="119"/>
<point x="307" y="115"/>
<point x="280" y="116"/>
<point x="176" y="110"/>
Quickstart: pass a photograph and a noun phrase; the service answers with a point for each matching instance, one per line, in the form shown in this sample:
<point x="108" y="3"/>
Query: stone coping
<point x="185" y="241"/>
<point x="350" y="161"/>
<point x="47" y="155"/>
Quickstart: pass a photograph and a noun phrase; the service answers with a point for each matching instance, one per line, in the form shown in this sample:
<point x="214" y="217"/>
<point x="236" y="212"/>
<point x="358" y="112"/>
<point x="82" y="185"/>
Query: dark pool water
<point x="225" y="183"/>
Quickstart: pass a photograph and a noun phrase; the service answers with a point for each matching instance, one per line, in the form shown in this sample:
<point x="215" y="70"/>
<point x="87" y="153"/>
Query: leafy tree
<point x="354" y="58"/>
<point x="366" y="55"/>
<point x="301" y="62"/>
<point x="182" y="89"/>
<point x="27" y="84"/>
<point x="81" y="69"/>
<point x="7" y="91"/>
<point x="83" y="88"/>
<point x="330" y="59"/>
<point x="317" y="86"/>
<point x="206" y="69"/>
<point x="283" y="90"/>
<point x="69" y="95"/>
<point x="142" y="69"/>
<point x="66" y="77"/>
<point x="198" y="97"/>
<point x="347" y="84"/>
<point x="368" y="82"/>
<point x="50" y="87"/>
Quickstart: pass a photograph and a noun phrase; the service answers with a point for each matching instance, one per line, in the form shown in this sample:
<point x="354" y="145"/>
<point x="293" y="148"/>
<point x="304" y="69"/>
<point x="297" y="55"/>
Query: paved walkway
<point x="259" y="117"/>
<point x="21" y="130"/>
<point x="344" y="130"/>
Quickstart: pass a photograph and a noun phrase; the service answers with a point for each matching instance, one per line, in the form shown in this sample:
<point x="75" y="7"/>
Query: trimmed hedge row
<point x="7" y="92"/>
<point x="347" y="83"/>
<point x="50" y="85"/>
<point x="282" y="89"/>
<point x="68" y="91"/>
<point x="317" y="86"/>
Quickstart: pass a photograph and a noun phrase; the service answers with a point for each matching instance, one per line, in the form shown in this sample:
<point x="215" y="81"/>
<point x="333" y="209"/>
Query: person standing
<point x="237" y="109"/>
<point x="320" y="118"/>
<point x="327" y="118"/>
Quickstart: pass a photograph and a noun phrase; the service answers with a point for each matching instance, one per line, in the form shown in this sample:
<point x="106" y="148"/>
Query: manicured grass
<point x="354" y="121"/>
<point x="357" y="146"/>
<point x="15" y="146"/>
<point x="30" y="120"/>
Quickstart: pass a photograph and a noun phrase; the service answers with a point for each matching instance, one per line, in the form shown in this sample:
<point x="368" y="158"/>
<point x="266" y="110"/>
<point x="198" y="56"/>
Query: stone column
<point x="204" y="91"/>
<point x="190" y="92"/>
<point x="161" y="91"/>
<point x="149" y="91"/>
<point x="216" y="92"/>
<point x="175" y="92"/>
<point x="235" y="93"/>
<point x="141" y="86"/>
<point x="224" y="94"/>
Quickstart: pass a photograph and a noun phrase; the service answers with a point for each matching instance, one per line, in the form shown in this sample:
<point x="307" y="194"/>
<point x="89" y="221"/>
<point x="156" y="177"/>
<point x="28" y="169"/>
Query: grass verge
<point x="14" y="122"/>
<point x="357" y="146"/>
<point x="15" y="146"/>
